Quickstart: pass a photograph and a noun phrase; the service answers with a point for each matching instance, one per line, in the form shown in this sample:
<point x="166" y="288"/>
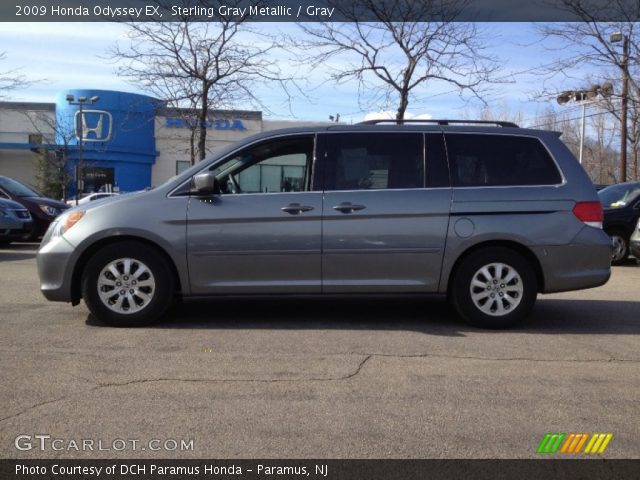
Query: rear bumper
<point x="634" y="247"/>
<point x="584" y="263"/>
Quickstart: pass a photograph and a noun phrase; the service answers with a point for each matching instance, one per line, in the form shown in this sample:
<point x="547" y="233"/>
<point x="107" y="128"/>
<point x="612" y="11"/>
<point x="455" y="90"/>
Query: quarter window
<point x="499" y="160"/>
<point x="367" y="161"/>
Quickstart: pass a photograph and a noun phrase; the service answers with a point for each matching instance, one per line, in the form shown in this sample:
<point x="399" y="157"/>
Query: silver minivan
<point x="489" y="215"/>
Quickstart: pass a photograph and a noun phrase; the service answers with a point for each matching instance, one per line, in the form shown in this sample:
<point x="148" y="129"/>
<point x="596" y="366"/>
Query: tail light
<point x="590" y="213"/>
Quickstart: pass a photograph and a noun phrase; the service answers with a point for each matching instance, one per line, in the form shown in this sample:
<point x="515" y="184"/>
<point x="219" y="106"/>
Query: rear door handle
<point x="296" y="208"/>
<point x="348" y="207"/>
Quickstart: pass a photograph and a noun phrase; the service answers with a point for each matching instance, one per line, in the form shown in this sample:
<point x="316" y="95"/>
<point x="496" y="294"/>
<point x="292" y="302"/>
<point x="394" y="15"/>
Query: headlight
<point x="63" y="224"/>
<point x="49" y="210"/>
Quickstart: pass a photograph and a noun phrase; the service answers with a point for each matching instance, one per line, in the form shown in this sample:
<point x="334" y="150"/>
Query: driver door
<point x="261" y="234"/>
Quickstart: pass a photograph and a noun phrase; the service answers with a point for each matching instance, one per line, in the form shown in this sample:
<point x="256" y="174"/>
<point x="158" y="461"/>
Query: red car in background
<point x="43" y="210"/>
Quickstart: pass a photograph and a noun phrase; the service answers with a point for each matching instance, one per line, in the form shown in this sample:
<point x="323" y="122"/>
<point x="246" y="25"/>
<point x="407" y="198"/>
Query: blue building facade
<point x="118" y="138"/>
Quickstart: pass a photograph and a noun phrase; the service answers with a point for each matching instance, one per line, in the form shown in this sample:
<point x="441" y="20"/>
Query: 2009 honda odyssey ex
<point x="488" y="215"/>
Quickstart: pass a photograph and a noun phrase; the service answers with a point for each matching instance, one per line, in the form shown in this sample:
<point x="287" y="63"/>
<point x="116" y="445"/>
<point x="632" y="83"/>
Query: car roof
<point x="485" y="128"/>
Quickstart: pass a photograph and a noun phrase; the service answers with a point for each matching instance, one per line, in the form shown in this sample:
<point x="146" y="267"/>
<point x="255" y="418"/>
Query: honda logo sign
<point x="93" y="126"/>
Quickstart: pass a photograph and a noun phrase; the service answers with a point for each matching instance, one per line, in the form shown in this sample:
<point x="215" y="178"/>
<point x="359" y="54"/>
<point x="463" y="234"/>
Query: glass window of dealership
<point x="130" y="141"/>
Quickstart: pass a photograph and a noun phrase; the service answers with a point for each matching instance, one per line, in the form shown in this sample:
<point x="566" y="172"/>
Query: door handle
<point x="296" y="208"/>
<point x="348" y="207"/>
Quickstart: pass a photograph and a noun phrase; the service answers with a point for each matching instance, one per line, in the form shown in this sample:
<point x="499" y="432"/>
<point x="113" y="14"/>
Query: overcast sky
<point x="67" y="56"/>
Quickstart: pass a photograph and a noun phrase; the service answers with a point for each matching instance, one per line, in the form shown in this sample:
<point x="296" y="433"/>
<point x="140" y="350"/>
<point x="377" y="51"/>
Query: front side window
<point x="367" y="161"/>
<point x="282" y="165"/>
<point x="499" y="160"/>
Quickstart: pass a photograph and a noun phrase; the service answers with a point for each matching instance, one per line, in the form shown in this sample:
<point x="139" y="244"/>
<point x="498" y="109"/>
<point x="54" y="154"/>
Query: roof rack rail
<point x="441" y="122"/>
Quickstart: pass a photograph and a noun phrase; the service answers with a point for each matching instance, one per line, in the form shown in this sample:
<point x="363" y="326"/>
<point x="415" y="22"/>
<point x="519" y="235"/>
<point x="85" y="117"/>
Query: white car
<point x="91" y="197"/>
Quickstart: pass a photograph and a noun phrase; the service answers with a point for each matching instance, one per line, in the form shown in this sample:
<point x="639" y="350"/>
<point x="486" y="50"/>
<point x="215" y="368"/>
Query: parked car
<point x="15" y="221"/>
<point x="488" y="215"/>
<point x="92" y="197"/>
<point x="42" y="209"/>
<point x="634" y="242"/>
<point x="621" y="203"/>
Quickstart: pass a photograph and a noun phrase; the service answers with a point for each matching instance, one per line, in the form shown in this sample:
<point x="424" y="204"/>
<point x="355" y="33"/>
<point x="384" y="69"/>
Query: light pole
<point x="80" y="118"/>
<point x="585" y="97"/>
<point x="624" y="66"/>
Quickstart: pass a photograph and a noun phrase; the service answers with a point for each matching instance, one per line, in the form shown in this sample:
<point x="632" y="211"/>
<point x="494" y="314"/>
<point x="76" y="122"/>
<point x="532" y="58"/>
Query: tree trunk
<point x="635" y="161"/>
<point x="404" y="103"/>
<point x="202" y="121"/>
<point x="192" y="145"/>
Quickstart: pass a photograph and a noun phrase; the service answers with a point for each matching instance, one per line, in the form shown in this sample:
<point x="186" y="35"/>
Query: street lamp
<point x="80" y="103"/>
<point x="624" y="66"/>
<point x="585" y="97"/>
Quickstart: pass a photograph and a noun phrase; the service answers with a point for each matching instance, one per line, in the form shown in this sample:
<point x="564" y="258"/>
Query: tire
<point x="478" y="277"/>
<point x="620" y="244"/>
<point x="127" y="284"/>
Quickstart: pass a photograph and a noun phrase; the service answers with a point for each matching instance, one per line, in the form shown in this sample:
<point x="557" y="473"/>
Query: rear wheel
<point x="620" y="244"/>
<point x="127" y="284"/>
<point x="494" y="287"/>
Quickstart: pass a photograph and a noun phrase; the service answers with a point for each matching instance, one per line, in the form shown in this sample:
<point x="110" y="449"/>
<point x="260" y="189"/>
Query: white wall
<point x="17" y="122"/>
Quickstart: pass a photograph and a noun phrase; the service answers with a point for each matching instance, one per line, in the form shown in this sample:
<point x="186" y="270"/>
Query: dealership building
<point x="129" y="141"/>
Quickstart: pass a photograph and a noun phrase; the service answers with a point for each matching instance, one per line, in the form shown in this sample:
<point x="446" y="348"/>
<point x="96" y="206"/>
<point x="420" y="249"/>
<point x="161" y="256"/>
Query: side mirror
<point x="205" y="184"/>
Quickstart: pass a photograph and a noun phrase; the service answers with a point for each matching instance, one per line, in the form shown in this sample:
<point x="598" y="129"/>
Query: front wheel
<point x="494" y="287"/>
<point x="127" y="284"/>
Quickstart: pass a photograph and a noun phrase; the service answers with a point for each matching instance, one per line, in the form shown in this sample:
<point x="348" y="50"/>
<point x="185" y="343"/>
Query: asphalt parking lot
<point x="319" y="378"/>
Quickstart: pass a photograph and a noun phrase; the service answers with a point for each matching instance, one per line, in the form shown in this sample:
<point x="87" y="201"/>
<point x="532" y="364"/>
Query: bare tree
<point x="54" y="136"/>
<point x="633" y="135"/>
<point x="500" y="113"/>
<point x="10" y="79"/>
<point x="395" y="56"/>
<point x="589" y="44"/>
<point x="198" y="66"/>
<point x="599" y="155"/>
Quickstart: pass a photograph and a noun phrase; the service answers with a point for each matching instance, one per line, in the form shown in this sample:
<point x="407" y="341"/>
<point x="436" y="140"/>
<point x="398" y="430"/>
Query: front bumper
<point x="20" y="231"/>
<point x="55" y="260"/>
<point x="584" y="263"/>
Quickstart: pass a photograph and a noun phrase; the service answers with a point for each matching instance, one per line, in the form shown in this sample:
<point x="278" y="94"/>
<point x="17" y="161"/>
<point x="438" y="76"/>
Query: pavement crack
<point x="359" y="369"/>
<point x="41" y="404"/>
<point x="99" y="386"/>
<point x="348" y="376"/>
<point x="501" y="359"/>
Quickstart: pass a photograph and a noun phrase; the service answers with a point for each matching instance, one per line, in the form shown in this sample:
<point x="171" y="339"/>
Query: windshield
<point x="17" y="189"/>
<point x="618" y="196"/>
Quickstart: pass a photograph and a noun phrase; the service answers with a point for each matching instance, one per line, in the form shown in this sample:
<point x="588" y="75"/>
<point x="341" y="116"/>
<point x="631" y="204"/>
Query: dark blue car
<point x="621" y="204"/>
<point x="15" y="221"/>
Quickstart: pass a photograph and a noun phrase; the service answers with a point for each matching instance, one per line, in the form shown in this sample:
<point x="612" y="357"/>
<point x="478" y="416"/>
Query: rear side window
<point x="499" y="160"/>
<point x="366" y="161"/>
